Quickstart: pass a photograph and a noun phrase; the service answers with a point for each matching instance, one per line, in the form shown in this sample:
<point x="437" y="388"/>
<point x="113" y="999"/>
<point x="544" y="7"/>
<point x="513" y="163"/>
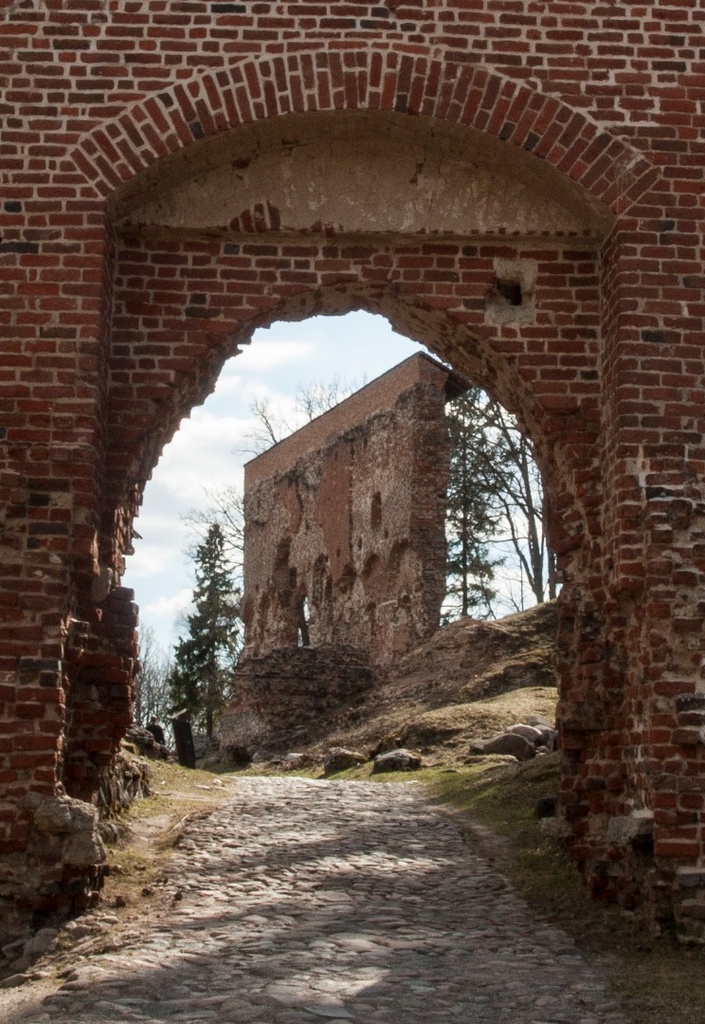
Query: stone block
<point x="624" y="829"/>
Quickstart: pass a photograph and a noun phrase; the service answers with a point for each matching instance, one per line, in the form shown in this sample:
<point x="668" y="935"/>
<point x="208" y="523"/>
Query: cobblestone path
<point x="306" y="902"/>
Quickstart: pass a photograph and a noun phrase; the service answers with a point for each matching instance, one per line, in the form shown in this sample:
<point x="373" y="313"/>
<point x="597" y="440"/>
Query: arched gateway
<point x="198" y="170"/>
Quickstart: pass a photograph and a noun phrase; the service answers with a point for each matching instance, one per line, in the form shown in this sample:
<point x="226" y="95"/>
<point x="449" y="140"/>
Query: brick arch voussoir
<point x="415" y="84"/>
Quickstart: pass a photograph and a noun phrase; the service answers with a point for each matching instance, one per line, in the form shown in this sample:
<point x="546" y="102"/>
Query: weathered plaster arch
<point x="410" y="83"/>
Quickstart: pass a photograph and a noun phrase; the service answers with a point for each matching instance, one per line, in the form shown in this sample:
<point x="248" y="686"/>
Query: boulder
<point x="41" y="942"/>
<point x="549" y="733"/>
<point x="510" y="743"/>
<point x="84" y="849"/>
<point x="400" y="760"/>
<point x="54" y="816"/>
<point x="385" y="744"/>
<point x="338" y="759"/>
<point x="529" y="732"/>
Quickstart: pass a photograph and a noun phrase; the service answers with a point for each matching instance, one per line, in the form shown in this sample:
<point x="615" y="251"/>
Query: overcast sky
<point x="204" y="452"/>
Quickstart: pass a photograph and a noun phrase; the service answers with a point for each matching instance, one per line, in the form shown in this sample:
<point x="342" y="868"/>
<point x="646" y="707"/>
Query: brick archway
<point x="121" y="333"/>
<point x="364" y="79"/>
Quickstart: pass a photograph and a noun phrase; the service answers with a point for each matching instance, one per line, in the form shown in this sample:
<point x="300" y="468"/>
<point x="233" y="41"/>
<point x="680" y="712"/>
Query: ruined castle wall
<point x="292" y="696"/>
<point x="353" y="534"/>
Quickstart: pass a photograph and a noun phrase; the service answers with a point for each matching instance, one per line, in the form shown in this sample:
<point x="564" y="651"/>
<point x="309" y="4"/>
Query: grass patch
<point x="137" y="863"/>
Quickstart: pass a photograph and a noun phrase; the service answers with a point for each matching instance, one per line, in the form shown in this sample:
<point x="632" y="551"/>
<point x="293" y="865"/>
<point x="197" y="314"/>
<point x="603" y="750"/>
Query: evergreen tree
<point x="471" y="521"/>
<point x="204" y="660"/>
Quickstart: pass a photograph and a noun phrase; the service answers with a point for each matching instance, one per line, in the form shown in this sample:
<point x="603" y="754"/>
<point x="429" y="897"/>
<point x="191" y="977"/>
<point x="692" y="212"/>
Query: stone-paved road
<point x="306" y="902"/>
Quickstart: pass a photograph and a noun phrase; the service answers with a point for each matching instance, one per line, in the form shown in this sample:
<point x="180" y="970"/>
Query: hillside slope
<point x="471" y="679"/>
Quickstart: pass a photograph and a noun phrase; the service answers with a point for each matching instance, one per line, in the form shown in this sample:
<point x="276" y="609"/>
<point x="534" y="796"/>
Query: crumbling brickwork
<point x="345" y="521"/>
<point x="517" y="185"/>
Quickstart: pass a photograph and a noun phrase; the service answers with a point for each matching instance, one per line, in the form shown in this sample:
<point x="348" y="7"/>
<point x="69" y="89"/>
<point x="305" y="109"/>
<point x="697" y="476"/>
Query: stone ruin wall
<point x="351" y="525"/>
<point x="292" y="697"/>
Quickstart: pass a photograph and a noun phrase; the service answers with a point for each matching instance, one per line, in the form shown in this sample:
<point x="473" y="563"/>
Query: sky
<point x="204" y="454"/>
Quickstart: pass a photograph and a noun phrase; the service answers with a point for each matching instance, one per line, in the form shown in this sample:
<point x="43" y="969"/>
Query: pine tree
<point x="471" y="521"/>
<point x="204" y="660"/>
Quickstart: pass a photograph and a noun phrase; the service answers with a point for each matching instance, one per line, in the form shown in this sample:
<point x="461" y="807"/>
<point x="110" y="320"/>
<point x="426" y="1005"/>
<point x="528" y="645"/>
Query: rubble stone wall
<point x="350" y="535"/>
<point x="518" y="186"/>
<point x="317" y="687"/>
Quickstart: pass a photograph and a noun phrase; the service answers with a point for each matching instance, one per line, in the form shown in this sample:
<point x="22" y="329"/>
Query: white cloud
<point x="201" y="454"/>
<point x="169" y="607"/>
<point x="229" y="383"/>
<point x="269" y="354"/>
<point x="150" y="560"/>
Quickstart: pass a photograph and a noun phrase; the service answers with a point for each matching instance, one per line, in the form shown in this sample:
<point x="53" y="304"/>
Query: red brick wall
<point x="378" y="395"/>
<point x="607" y="377"/>
<point x="349" y="513"/>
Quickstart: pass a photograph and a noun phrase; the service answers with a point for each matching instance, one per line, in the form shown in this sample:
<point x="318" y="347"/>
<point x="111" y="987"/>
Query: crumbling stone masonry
<point x="518" y="186"/>
<point x="317" y="686"/>
<point x="345" y="521"/>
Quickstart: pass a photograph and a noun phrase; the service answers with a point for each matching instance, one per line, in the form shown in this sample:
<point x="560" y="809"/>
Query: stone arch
<point x="135" y="441"/>
<point x="625" y="440"/>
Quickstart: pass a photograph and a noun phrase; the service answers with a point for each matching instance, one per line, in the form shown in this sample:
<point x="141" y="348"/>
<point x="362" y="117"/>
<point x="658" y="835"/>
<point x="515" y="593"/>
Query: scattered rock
<point x="396" y="761"/>
<point x="509" y="743"/>
<point x="292" y="761"/>
<point x="79" y="929"/>
<point x="13" y="949"/>
<point x="529" y="732"/>
<point x="338" y="759"/>
<point x="14" y="981"/>
<point x="41" y="942"/>
<point x="522" y="741"/>
<point x="549" y="734"/>
<point x="386" y="744"/>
